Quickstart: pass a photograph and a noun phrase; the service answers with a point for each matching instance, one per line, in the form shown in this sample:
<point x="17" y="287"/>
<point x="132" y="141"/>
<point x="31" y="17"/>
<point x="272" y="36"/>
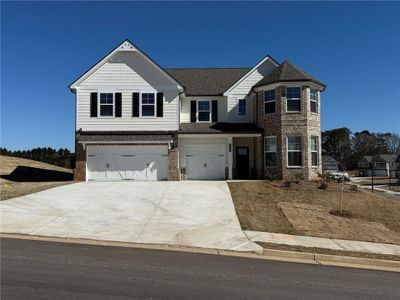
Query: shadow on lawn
<point x="29" y="174"/>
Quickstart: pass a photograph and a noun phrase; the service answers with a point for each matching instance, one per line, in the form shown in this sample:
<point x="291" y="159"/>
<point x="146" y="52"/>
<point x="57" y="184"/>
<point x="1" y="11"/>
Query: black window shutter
<point x="193" y="111"/>
<point x="135" y="104"/>
<point x="118" y="105"/>
<point x="93" y="105"/>
<point x="214" y="113"/>
<point x="160" y="104"/>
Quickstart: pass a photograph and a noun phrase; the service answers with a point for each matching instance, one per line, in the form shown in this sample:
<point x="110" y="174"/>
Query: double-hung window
<point x="314" y="101"/>
<point x="204" y="111"/>
<point x="269" y="101"/>
<point x="270" y="151"/>
<point x="148" y="105"/>
<point x="293" y="95"/>
<point x="106" y="104"/>
<point x="314" y="151"/>
<point x="242" y="107"/>
<point x="294" y="151"/>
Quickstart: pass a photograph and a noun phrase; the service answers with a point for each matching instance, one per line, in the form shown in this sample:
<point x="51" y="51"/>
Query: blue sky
<point x="353" y="47"/>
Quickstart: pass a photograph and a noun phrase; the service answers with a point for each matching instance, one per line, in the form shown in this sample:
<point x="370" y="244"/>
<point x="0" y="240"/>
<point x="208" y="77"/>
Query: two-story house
<point x="138" y="121"/>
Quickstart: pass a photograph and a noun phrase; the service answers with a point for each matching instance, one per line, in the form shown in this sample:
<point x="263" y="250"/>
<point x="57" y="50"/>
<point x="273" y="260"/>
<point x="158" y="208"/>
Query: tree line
<point x="347" y="147"/>
<point x="61" y="157"/>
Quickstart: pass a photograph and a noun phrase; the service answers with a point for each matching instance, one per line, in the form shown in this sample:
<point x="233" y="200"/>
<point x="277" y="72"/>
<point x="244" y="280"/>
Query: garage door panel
<point x="205" y="161"/>
<point x="127" y="163"/>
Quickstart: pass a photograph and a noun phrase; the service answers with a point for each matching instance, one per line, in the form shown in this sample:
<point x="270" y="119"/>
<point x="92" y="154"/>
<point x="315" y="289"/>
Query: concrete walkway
<point x="187" y="213"/>
<point x="333" y="244"/>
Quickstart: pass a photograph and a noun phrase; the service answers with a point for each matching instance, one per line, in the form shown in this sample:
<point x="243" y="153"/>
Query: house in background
<point x="138" y="121"/>
<point x="384" y="165"/>
<point x="329" y="164"/>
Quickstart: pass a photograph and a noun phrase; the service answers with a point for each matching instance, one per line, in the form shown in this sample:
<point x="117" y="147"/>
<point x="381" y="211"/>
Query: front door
<point x="242" y="162"/>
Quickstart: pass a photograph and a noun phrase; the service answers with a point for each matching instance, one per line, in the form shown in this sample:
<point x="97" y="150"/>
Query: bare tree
<point x="392" y="141"/>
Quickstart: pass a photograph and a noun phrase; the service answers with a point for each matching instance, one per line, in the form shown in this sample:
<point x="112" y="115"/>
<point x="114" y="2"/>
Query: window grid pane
<point x="148" y="98"/>
<point x="293" y="93"/>
<point x="269" y="95"/>
<point x="204" y="105"/>
<point x="242" y="107"/>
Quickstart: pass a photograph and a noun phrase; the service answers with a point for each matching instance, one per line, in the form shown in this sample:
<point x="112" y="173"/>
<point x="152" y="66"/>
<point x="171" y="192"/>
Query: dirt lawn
<point x="19" y="176"/>
<point x="303" y="209"/>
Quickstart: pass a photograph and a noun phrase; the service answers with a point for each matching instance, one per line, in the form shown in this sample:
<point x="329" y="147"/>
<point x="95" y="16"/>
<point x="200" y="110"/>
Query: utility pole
<point x="372" y="168"/>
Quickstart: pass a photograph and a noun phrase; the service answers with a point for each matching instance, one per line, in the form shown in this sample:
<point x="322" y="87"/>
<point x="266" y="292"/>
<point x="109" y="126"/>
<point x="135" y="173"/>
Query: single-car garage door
<point x="127" y="162"/>
<point x="205" y="161"/>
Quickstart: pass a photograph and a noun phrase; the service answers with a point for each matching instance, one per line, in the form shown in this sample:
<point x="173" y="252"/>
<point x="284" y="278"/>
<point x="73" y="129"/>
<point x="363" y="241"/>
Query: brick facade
<point x="173" y="169"/>
<point x="80" y="162"/>
<point x="283" y="124"/>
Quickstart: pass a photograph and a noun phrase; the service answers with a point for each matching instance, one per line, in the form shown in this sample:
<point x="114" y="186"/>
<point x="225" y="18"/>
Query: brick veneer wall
<point x="80" y="162"/>
<point x="282" y="124"/>
<point x="173" y="170"/>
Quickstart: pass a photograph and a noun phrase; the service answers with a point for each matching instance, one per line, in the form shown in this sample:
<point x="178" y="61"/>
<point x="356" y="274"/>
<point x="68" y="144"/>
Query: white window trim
<point x="265" y="150"/>
<point x="314" y="151"/>
<point x="238" y="111"/>
<point x="197" y="111"/>
<point x="316" y="101"/>
<point x="287" y="152"/>
<point x="287" y="99"/>
<point x="99" y="116"/>
<point x="269" y="101"/>
<point x="155" y="106"/>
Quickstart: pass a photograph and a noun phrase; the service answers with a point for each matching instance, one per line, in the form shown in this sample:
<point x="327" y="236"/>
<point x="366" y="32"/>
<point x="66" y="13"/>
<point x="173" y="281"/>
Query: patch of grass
<point x="20" y="176"/>
<point x="256" y="204"/>
<point x="328" y="251"/>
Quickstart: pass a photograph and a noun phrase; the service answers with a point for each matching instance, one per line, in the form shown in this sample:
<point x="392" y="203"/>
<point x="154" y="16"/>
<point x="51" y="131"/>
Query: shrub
<point x="354" y="187"/>
<point x="287" y="183"/>
<point x="298" y="176"/>
<point x="326" y="176"/>
<point x="323" y="186"/>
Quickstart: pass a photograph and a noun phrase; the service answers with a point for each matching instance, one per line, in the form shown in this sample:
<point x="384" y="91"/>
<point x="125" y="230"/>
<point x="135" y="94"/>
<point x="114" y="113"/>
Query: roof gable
<point x="267" y="59"/>
<point x="287" y="72"/>
<point x="125" y="46"/>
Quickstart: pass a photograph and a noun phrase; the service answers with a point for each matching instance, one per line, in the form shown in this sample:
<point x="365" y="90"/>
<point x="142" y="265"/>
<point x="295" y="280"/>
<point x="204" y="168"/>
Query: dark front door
<point x="242" y="162"/>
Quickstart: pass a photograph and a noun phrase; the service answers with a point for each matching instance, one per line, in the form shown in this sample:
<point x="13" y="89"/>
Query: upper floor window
<point x="314" y="151"/>
<point x="269" y="101"/>
<point x="204" y="111"/>
<point x="106" y="104"/>
<point x="294" y="151"/>
<point x="314" y="101"/>
<point x="293" y="95"/>
<point x="270" y="151"/>
<point x="242" y="107"/>
<point x="148" y="108"/>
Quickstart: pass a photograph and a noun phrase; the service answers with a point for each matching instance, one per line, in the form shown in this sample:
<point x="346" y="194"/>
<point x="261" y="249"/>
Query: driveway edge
<point x="268" y="254"/>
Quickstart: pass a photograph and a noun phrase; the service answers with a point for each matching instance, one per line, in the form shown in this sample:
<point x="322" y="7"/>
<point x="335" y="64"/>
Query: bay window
<point x="314" y="101"/>
<point x="314" y="151"/>
<point x="294" y="150"/>
<point x="269" y="101"/>
<point x="293" y="96"/>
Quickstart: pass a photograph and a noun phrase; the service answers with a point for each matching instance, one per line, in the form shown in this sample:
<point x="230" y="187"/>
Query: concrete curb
<point x="268" y="254"/>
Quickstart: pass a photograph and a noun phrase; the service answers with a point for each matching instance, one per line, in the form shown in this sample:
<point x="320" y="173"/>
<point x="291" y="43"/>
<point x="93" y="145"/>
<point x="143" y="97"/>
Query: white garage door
<point x="205" y="161"/>
<point x="127" y="162"/>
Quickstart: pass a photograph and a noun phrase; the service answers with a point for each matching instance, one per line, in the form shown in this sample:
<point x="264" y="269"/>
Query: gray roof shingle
<point x="207" y="81"/>
<point x="287" y="72"/>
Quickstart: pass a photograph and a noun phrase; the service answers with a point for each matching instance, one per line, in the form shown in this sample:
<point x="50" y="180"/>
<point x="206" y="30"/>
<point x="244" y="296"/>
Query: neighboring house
<point x="329" y="164"/>
<point x="138" y="121"/>
<point x="384" y="164"/>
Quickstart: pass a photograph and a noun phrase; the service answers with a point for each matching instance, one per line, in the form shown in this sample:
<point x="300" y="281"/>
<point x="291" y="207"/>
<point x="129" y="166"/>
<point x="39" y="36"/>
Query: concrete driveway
<point x="190" y="213"/>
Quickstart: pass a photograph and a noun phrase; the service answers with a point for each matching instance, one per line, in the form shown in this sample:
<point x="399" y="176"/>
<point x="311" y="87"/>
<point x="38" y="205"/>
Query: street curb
<point x="267" y="254"/>
<point x="338" y="260"/>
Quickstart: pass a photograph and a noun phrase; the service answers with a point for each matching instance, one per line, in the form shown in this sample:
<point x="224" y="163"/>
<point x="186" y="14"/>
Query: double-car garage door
<point x="127" y="162"/>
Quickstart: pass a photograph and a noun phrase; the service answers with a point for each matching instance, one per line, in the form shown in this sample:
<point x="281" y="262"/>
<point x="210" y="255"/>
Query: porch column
<point x="230" y="157"/>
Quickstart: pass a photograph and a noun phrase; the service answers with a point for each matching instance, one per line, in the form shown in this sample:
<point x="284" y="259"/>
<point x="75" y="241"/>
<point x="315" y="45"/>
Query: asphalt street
<point x="53" y="270"/>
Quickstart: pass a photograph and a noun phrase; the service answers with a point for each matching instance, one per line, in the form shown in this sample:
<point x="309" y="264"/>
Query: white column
<point x="230" y="157"/>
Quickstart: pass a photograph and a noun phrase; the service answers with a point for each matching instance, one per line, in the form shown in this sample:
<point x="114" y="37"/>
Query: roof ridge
<point x="203" y="68"/>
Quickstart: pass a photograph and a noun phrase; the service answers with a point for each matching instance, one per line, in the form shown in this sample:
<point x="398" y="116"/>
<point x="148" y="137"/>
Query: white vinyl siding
<point x="233" y="109"/>
<point x="127" y="73"/>
<point x="168" y="122"/>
